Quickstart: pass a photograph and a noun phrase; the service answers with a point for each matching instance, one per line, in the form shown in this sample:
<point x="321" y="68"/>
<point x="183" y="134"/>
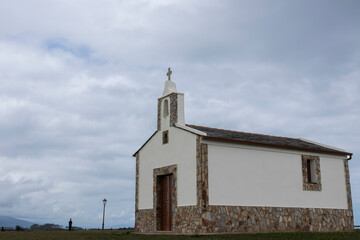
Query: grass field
<point x="109" y="235"/>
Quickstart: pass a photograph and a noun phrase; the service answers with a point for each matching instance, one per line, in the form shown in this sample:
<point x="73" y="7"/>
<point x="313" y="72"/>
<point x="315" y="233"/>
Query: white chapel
<point x="196" y="179"/>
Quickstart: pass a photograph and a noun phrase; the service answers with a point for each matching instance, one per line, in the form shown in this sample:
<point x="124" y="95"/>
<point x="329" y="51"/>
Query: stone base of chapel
<point x="232" y="219"/>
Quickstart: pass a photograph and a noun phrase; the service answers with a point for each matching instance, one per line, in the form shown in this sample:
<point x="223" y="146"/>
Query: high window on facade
<point x="165" y="137"/>
<point x="165" y="108"/>
<point x="311" y="173"/>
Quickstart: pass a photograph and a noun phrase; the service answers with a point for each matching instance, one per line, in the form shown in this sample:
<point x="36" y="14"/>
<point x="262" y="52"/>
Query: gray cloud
<point x="79" y="83"/>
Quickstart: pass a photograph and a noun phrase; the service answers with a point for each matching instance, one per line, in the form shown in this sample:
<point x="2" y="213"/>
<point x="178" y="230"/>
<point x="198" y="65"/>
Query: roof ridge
<point x="243" y="132"/>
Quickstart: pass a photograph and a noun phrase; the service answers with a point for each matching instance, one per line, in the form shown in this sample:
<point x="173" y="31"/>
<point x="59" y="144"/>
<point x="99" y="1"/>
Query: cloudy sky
<point x="79" y="82"/>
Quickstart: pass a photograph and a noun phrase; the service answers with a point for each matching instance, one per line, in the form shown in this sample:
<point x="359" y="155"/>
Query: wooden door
<point x="166" y="190"/>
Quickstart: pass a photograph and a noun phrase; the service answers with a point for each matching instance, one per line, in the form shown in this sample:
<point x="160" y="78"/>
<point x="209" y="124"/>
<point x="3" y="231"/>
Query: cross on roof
<point x="169" y="74"/>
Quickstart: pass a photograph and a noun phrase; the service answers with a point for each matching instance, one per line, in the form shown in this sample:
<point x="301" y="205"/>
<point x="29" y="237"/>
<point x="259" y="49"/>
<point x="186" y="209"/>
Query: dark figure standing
<point x="2" y="229"/>
<point x="70" y="224"/>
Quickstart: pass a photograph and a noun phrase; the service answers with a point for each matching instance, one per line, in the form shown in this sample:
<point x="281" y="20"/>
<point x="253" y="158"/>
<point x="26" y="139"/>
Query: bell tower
<point x="170" y="106"/>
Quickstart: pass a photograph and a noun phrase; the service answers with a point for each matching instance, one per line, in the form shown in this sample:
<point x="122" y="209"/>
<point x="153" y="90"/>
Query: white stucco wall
<point x="180" y="150"/>
<point x="253" y="176"/>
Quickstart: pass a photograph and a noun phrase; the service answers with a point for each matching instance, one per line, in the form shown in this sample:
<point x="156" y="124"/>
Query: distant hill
<point x="119" y="226"/>
<point x="6" y="221"/>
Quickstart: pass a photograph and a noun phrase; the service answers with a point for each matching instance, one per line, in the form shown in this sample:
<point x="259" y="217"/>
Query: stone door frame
<point x="167" y="170"/>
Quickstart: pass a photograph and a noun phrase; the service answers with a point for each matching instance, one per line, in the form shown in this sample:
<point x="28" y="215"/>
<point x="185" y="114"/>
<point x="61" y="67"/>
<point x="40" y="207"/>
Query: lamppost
<point x="104" y="201"/>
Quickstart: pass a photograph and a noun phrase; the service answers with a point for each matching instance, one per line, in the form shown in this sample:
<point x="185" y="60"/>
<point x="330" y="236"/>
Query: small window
<point x="311" y="173"/>
<point x="165" y="137"/>
<point x="165" y="108"/>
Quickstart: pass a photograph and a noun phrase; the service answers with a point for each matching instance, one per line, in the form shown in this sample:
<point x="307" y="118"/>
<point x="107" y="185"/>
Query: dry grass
<point x="128" y="235"/>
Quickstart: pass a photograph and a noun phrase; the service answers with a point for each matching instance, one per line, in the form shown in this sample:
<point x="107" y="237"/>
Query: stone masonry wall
<point x="145" y="221"/>
<point x="173" y="109"/>
<point x="348" y="191"/>
<point x="223" y="219"/>
<point x="306" y="185"/>
<point x="269" y="219"/>
<point x="202" y="189"/>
